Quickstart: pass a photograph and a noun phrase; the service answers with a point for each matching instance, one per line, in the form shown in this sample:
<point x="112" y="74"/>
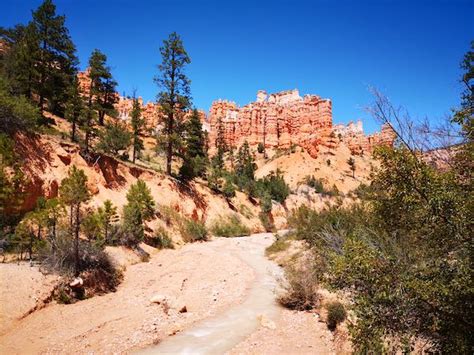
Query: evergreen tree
<point x="217" y="161"/>
<point x="18" y="64"/>
<point x="133" y="224"/>
<point x="174" y="98"/>
<point x="12" y="183"/>
<point x="73" y="192"/>
<point x="140" y="208"/>
<point x="137" y="126"/>
<point x="140" y="194"/>
<point x="101" y="94"/>
<point x="108" y="98"/>
<point x="194" y="159"/>
<point x="107" y="216"/>
<point x="16" y="113"/>
<point x="56" y="63"/>
<point x="245" y="165"/>
<point x="75" y="108"/>
<point x="115" y="138"/>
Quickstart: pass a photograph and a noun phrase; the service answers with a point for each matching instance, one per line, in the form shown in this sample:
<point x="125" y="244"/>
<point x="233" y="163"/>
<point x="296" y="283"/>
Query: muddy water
<point x="221" y="333"/>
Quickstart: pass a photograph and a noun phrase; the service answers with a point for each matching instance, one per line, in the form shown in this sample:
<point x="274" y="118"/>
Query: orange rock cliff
<point x="278" y="120"/>
<point x="284" y="119"/>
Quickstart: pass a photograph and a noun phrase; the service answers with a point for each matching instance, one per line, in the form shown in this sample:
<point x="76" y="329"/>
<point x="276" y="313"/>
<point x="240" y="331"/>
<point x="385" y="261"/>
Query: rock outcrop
<point x="358" y="142"/>
<point x="277" y="121"/>
<point x="284" y="119"/>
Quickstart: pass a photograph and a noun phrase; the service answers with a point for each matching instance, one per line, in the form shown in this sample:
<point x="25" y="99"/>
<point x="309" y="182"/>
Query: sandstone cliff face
<point x="277" y="121"/>
<point x="358" y="142"/>
<point x="284" y="119"/>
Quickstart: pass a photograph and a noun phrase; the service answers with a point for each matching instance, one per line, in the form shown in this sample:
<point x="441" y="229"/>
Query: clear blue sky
<point x="410" y="50"/>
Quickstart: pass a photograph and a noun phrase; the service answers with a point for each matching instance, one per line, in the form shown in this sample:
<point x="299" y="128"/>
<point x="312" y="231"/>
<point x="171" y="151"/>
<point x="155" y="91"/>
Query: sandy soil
<point x="294" y="333"/>
<point x="201" y="276"/>
<point x="22" y="288"/>
<point x="298" y="165"/>
<point x="210" y="279"/>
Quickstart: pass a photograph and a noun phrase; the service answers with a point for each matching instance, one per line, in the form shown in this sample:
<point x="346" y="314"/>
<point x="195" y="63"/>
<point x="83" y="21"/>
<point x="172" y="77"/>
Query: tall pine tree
<point x="74" y="108"/>
<point x="56" y="62"/>
<point x="101" y="94"/>
<point x="194" y="158"/>
<point x="137" y="126"/>
<point x="175" y="96"/>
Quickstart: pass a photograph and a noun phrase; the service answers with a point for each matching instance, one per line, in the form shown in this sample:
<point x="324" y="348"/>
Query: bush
<point x="228" y="190"/>
<point x="301" y="288"/>
<point x="96" y="268"/>
<point x="314" y="183"/>
<point x="267" y="223"/>
<point x="161" y="240"/>
<point x="280" y="244"/>
<point x="232" y="227"/>
<point x="318" y="186"/>
<point x="193" y="231"/>
<point x="336" y="314"/>
<point x="274" y="185"/>
<point x="260" y="148"/>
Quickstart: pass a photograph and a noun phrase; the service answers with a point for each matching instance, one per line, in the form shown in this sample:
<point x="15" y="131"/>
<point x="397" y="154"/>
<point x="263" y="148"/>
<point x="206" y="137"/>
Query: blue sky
<point x="410" y="50"/>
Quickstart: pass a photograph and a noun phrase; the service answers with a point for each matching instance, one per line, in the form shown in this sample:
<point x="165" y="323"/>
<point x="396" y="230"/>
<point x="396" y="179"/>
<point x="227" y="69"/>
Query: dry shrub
<point x="97" y="270"/>
<point x="300" y="288"/>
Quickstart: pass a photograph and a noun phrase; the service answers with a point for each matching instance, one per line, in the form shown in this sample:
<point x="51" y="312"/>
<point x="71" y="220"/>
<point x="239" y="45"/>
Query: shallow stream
<point x="221" y="333"/>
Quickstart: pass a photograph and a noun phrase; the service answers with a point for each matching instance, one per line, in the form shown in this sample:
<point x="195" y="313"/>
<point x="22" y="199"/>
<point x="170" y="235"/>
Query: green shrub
<point x="280" y="244"/>
<point x="230" y="227"/>
<point x="161" y="240"/>
<point x="314" y="183"/>
<point x="228" y="190"/>
<point x="260" y="148"/>
<point x="274" y="185"/>
<point x="318" y="186"/>
<point x="336" y="314"/>
<point x="193" y="231"/>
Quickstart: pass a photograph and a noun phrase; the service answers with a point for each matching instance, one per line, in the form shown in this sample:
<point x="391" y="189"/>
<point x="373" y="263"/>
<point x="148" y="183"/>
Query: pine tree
<point x="194" y="159"/>
<point x="140" y="194"/>
<point x="56" y="63"/>
<point x="137" y="126"/>
<point x="139" y="208"/>
<point x="174" y="98"/>
<point x="107" y="216"/>
<point x="18" y="64"/>
<point x="217" y="160"/>
<point x="115" y="138"/>
<point x="75" y="108"/>
<point x="73" y="192"/>
<point x="245" y="165"/>
<point x="101" y="93"/>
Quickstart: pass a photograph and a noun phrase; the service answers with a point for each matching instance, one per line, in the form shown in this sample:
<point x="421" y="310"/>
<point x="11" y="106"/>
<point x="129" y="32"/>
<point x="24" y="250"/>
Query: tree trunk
<point x="105" y="233"/>
<point x="169" y="152"/>
<point x="88" y="120"/>
<point x="134" y="149"/>
<point x="76" y="241"/>
<point x="73" y="130"/>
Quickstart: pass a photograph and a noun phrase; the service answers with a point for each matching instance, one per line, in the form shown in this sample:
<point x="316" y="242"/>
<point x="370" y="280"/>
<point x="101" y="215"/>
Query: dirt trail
<point x="227" y="287"/>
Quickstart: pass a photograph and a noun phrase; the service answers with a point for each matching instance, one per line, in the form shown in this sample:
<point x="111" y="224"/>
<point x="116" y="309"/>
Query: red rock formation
<point x="124" y="105"/>
<point x="276" y="120"/>
<point x="359" y="143"/>
<point x="284" y="119"/>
